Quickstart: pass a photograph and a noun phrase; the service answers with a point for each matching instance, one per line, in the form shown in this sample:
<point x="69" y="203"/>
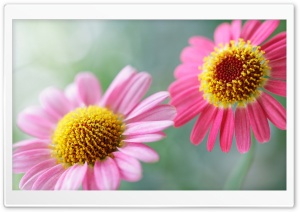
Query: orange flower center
<point x="234" y="74"/>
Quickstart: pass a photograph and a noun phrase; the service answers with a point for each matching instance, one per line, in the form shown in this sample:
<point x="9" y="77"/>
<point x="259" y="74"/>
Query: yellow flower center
<point x="86" y="135"/>
<point x="234" y="74"/>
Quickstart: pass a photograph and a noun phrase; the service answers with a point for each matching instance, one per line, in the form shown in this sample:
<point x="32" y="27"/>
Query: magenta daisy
<point x="228" y="84"/>
<point x="85" y="139"/>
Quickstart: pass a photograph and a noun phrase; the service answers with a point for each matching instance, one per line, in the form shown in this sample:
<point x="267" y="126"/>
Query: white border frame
<point x="13" y="198"/>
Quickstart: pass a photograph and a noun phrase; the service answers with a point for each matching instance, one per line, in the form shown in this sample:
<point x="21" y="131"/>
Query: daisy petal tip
<point x="243" y="151"/>
<point x="225" y="150"/>
<point x="194" y="142"/>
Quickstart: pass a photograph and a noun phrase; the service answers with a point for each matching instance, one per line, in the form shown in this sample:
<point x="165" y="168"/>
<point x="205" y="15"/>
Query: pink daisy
<point x="85" y="139"/>
<point x="228" y="84"/>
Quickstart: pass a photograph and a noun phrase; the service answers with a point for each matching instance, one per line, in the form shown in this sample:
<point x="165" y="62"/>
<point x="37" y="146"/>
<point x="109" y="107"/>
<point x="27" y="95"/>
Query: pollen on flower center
<point x="87" y="134"/>
<point x="234" y="74"/>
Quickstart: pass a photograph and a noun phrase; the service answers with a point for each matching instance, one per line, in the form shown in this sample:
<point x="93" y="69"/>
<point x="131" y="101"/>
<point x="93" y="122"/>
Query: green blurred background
<point x="51" y="52"/>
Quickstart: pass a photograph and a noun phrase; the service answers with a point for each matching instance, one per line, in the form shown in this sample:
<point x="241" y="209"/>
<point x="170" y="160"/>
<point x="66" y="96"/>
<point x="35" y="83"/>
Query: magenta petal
<point x="276" y="87"/>
<point x="189" y="111"/>
<point x="236" y="26"/>
<point x="145" y="137"/>
<point x="278" y="68"/>
<point x="134" y="92"/>
<point x="148" y="104"/>
<point x="214" y="129"/>
<point x="258" y="122"/>
<point x="74" y="178"/>
<point x="107" y="174"/>
<point x="158" y="113"/>
<point x="264" y="31"/>
<point x="186" y="69"/>
<point x="36" y="122"/>
<point x="192" y="54"/>
<point x="222" y="34"/>
<point x="277" y="53"/>
<point x="249" y="29"/>
<point x="112" y="97"/>
<point x="242" y="130"/>
<point x="274" y="42"/>
<point x="203" y="43"/>
<point x="32" y="174"/>
<point x="183" y="84"/>
<point x="130" y="168"/>
<point x="227" y="130"/>
<point x="202" y="124"/>
<point x="48" y="179"/>
<point x="186" y="95"/>
<point x="140" y="152"/>
<point x="89" y="182"/>
<point x="55" y="102"/>
<point x="274" y="110"/>
<point x="88" y="87"/>
<point x="149" y="127"/>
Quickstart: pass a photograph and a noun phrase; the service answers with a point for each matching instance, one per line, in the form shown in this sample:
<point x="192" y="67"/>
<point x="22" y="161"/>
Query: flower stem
<point x="239" y="173"/>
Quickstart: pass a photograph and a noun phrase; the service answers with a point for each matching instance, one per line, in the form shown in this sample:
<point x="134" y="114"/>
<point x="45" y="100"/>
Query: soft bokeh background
<point x="50" y="53"/>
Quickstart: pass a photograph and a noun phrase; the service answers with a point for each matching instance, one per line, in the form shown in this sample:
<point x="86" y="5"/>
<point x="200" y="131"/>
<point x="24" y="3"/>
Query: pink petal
<point x="88" y="87"/>
<point x="89" y="182"/>
<point x="192" y="54"/>
<point x="25" y="160"/>
<point x="249" y="29"/>
<point x="183" y="84"/>
<point x="48" y="179"/>
<point x="55" y="103"/>
<point x="130" y="168"/>
<point x="242" y="130"/>
<point x="140" y="152"/>
<point x="107" y="174"/>
<point x="264" y="31"/>
<point x="61" y="179"/>
<point x="34" y="121"/>
<point x="274" y="42"/>
<point x="274" y="110"/>
<point x="148" y="104"/>
<point x="74" y="178"/>
<point x="227" y="129"/>
<point x="143" y="138"/>
<point x="189" y="111"/>
<point x="276" y="87"/>
<point x="134" y="92"/>
<point x="202" y="124"/>
<point x="277" y="53"/>
<point x="30" y="144"/>
<point x="278" y="68"/>
<point x="236" y="27"/>
<point x="71" y="92"/>
<point x="112" y="97"/>
<point x="214" y="129"/>
<point x="222" y="34"/>
<point x="186" y="69"/>
<point x="258" y="122"/>
<point x="149" y="127"/>
<point x="158" y="113"/>
<point x="32" y="174"/>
